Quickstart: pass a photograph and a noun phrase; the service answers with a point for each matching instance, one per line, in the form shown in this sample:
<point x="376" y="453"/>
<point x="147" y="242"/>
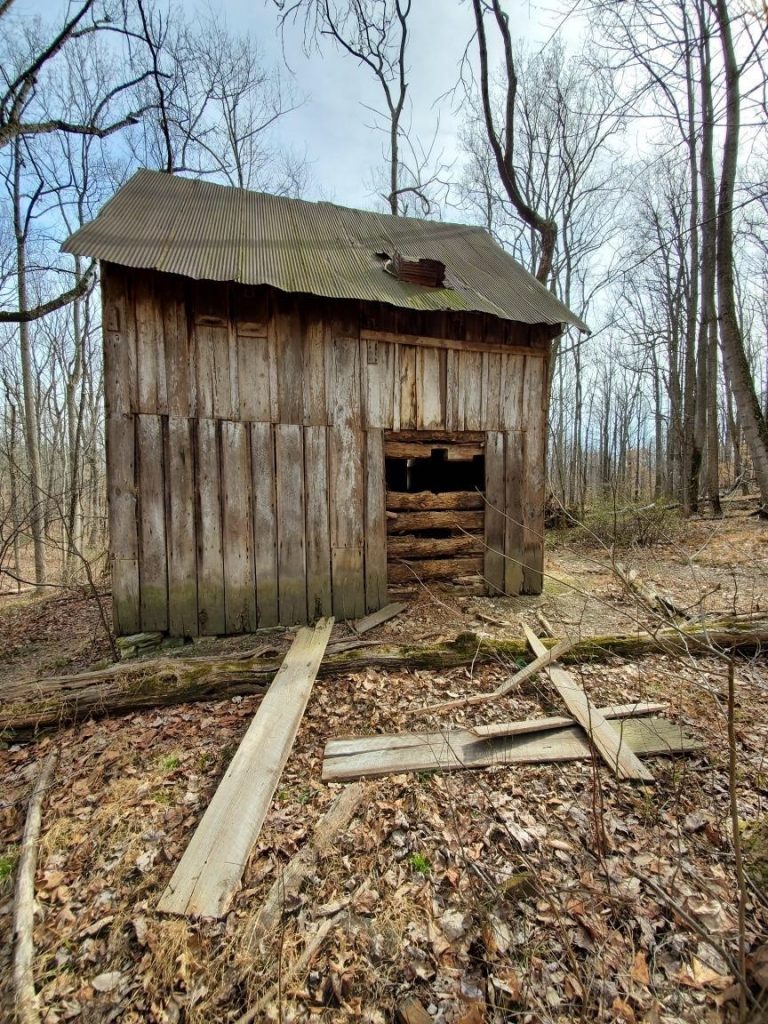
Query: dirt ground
<point x="541" y="893"/>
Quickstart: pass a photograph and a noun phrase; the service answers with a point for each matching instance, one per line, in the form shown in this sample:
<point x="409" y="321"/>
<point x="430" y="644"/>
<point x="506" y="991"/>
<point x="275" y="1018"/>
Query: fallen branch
<point x="654" y="599"/>
<point x="27" y="1005"/>
<point x="517" y="679"/>
<point x="32" y="707"/>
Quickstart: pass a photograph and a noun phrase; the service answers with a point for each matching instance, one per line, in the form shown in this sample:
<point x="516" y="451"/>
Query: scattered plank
<point x="384" y="614"/>
<point x="536" y="666"/>
<point x="615" y="751"/>
<point x="337" y="817"/>
<point x="372" y="756"/>
<point x="27" y="1002"/>
<point x="520" y="728"/>
<point x="213" y="863"/>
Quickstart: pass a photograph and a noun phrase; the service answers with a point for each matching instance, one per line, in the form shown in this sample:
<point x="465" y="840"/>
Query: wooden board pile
<point x="637" y="732"/>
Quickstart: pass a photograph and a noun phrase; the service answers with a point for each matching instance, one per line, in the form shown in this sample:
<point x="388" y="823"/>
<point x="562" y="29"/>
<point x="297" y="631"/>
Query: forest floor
<point x="542" y="893"/>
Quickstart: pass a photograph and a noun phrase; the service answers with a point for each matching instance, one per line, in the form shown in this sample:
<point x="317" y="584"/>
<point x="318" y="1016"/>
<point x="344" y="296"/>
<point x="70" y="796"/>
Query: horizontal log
<point x="414" y="450"/>
<point x="437" y="436"/>
<point x="408" y="546"/>
<point x="34" y="706"/>
<point x="423" y="341"/>
<point x="408" y="522"/>
<point x="433" y="569"/>
<point x="423" y="501"/>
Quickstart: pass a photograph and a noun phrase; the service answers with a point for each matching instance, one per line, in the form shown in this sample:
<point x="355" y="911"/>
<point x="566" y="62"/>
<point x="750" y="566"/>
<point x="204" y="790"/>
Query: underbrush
<point x="629" y="526"/>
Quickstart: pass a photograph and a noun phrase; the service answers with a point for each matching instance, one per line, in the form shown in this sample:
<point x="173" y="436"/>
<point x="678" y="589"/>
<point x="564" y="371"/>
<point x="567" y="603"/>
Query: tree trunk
<point x="753" y="422"/>
<point x="167" y="681"/>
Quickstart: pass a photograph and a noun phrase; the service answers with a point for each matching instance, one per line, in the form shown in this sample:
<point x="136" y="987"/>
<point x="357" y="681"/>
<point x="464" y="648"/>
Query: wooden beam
<point x="410" y="546"/>
<point x="372" y="756"/>
<point x="632" y="710"/>
<point x="408" y="522"/>
<point x="434" y="569"/>
<point x="615" y="750"/>
<point x="425" y="501"/>
<point x="377" y="618"/>
<point x="424" y="449"/>
<point x="213" y="863"/>
<point x="422" y="341"/>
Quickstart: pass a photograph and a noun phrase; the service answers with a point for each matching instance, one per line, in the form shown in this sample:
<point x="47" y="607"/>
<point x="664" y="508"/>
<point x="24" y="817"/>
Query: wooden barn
<point x="308" y="404"/>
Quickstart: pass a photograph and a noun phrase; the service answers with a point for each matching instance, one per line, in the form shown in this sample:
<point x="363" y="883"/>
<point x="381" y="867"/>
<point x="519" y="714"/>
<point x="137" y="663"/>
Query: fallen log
<point x="656" y="601"/>
<point x="31" y="708"/>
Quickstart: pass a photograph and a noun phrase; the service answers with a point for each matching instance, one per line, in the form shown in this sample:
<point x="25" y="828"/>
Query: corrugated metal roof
<point x="205" y="231"/>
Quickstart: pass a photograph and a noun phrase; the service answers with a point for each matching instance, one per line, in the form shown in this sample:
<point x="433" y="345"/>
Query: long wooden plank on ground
<point x="384" y="614"/>
<point x="371" y="756"/>
<point x="612" y="746"/>
<point x="519" y="728"/>
<point x="213" y="863"/>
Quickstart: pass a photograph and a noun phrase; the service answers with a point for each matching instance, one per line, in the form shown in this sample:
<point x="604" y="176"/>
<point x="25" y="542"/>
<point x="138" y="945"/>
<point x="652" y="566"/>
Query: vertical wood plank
<point x="470" y="390"/>
<point x="515" y="509"/>
<point x="319" y="597"/>
<point x="239" y="581"/>
<point x="511" y="401"/>
<point x="264" y="522"/>
<point x="210" y="557"/>
<point x="315" y="342"/>
<point x="408" y="401"/>
<point x="182" y="561"/>
<point x="253" y="373"/>
<point x="291" y="563"/>
<point x="176" y="348"/>
<point x="150" y="355"/>
<point x="535" y="474"/>
<point x="153" y="564"/>
<point x="289" y="351"/>
<point x="346" y="461"/>
<point x="119" y="318"/>
<point x="213" y="378"/>
<point x="451" y="390"/>
<point x="491" y="398"/>
<point x="123" y="529"/>
<point x="494" y="512"/>
<point x="375" y="522"/>
<point x="429" y="406"/>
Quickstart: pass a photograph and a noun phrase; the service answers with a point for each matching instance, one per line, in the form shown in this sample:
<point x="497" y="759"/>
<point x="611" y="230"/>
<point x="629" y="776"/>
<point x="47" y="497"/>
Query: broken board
<point x="370" y="756"/>
<point x="632" y="710"/>
<point x="213" y="863"/>
<point x="616" y="753"/>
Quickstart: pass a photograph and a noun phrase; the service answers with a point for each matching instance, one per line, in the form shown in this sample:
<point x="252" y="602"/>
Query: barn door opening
<point x="435" y="506"/>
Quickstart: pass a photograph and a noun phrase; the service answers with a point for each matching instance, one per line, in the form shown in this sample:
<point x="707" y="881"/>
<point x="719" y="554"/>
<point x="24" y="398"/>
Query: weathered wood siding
<point x="245" y="446"/>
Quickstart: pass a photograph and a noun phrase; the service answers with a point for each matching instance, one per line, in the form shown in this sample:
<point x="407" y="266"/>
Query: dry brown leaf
<point x="639" y="972"/>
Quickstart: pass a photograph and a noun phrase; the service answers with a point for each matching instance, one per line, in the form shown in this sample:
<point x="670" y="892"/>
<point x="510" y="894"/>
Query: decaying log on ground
<point x="33" y="707"/>
<point x="653" y="598"/>
<point x="27" y="1005"/>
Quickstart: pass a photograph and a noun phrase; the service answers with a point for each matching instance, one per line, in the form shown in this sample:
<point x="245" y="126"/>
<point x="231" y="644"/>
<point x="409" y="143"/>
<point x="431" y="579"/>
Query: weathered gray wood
<point x="123" y="524"/>
<point x="491" y="399"/>
<point x="346" y="451"/>
<point x="150" y="356"/>
<point x="254" y="377"/>
<point x="153" y="563"/>
<point x="515" y="513"/>
<point x="425" y="501"/>
<point x="239" y="577"/>
<point x="613" y="746"/>
<point x="407" y="522"/>
<point x="372" y="756"/>
<point x="470" y="391"/>
<point x="376" y="618"/>
<point x="534" y="415"/>
<point x="291" y="541"/>
<point x="413" y="570"/>
<point x="612" y="711"/>
<point x="119" y="327"/>
<point x="290" y="366"/>
<point x="178" y="371"/>
<point x="423" y="450"/>
<point x="494" y="512"/>
<point x="182" y="550"/>
<point x="319" y="597"/>
<point x="213" y="863"/>
<point x="264" y="522"/>
<point x="408" y="400"/>
<point x="429" y="393"/>
<point x="424" y="341"/>
<point x="213" y="376"/>
<point x="292" y="877"/>
<point x="210" y="554"/>
<point x="316" y="343"/>
<point x="511" y="401"/>
<point x="375" y="523"/>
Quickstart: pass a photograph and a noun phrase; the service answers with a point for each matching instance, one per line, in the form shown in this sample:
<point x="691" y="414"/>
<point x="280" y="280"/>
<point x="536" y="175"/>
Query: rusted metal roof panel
<point x="205" y="231"/>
